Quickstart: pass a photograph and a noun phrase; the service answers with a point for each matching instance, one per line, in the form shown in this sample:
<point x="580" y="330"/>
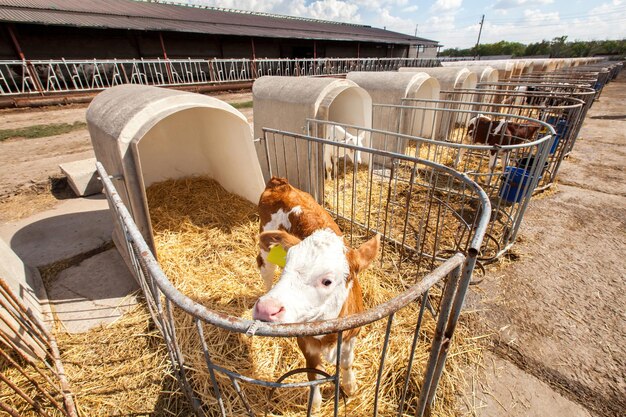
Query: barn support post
<point x="29" y="67"/>
<point x="314" y="49"/>
<point x="167" y="63"/>
<point x="255" y="75"/>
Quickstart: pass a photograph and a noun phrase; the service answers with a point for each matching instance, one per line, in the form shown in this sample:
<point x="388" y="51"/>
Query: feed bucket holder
<point x="143" y="135"/>
<point x="560" y="126"/>
<point x="515" y="184"/>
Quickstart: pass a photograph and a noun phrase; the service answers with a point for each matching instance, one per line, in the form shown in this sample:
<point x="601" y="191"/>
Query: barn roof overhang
<point x="134" y="15"/>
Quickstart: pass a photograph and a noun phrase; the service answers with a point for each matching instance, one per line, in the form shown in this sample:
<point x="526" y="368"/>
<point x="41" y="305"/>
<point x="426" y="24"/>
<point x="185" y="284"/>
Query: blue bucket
<point x="560" y="126"/>
<point x="514" y="184"/>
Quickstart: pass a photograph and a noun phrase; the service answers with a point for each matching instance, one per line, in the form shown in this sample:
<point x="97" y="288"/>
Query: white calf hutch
<point x="392" y="88"/>
<point x="228" y="364"/>
<point x="286" y="103"/>
<point x="142" y="135"/>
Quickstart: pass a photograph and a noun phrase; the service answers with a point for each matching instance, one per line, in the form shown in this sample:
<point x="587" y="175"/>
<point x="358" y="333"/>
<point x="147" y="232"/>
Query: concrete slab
<point x="95" y="292"/>
<point x="82" y="177"/>
<point x="505" y="390"/>
<point x="24" y="283"/>
<point x="73" y="227"/>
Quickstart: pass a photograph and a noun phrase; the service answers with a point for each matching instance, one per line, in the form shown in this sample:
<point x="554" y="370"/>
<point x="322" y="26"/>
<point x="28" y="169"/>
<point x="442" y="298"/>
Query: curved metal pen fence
<point x="67" y="76"/>
<point x="508" y="172"/>
<point x="406" y="232"/>
<point x="563" y="113"/>
<point x="582" y="92"/>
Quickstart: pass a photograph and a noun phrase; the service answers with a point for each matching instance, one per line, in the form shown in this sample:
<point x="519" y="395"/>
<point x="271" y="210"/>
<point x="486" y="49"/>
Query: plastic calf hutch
<point x="285" y="103"/>
<point x="411" y="237"/>
<point x="392" y="88"/>
<point x="485" y="73"/>
<point x="143" y="135"/>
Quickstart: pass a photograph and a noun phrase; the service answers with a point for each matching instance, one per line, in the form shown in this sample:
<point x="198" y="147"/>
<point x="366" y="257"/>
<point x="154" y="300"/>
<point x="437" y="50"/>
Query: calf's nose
<point x="268" y="309"/>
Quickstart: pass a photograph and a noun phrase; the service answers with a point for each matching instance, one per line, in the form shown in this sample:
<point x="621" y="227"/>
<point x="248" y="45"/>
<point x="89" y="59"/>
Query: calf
<point x="332" y="153"/>
<point x="485" y="130"/>
<point x="319" y="280"/>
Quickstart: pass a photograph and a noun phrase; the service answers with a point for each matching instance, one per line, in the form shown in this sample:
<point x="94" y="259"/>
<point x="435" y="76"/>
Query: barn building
<point x="124" y="29"/>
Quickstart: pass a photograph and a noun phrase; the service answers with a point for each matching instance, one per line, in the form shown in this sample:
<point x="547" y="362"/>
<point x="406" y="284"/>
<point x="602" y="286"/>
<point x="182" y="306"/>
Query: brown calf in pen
<point x="319" y="278"/>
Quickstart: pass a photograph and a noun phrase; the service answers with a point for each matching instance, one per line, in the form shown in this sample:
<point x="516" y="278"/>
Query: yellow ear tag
<point x="277" y="256"/>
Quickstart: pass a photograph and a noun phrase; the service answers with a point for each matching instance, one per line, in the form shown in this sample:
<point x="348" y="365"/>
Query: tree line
<point x="558" y="47"/>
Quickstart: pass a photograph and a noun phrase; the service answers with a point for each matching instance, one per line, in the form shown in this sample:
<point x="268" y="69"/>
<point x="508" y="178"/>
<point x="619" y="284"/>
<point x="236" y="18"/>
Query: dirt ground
<point x="555" y="314"/>
<point x="28" y="164"/>
<point x="558" y="312"/>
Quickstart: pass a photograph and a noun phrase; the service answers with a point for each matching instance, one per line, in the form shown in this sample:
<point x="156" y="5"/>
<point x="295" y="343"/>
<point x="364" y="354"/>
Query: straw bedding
<point x="117" y="369"/>
<point x="206" y="241"/>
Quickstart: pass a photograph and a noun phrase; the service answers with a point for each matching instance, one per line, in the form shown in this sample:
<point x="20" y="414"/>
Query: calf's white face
<point x="314" y="283"/>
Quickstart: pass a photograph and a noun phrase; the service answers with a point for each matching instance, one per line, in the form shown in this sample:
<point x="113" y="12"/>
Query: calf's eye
<point x="326" y="282"/>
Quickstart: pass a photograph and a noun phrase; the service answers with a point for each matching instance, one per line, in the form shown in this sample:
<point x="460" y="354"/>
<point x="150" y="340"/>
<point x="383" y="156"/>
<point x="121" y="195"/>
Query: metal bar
<point x="337" y="371"/>
<point x="207" y="359"/>
<point x="409" y="366"/>
<point x="37" y="386"/>
<point x="9" y="410"/>
<point x="381" y="366"/>
<point x="457" y="305"/>
<point x="438" y="339"/>
<point x="35" y="404"/>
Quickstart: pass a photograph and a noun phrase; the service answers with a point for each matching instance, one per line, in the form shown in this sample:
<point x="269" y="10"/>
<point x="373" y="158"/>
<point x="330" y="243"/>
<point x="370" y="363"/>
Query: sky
<point x="455" y="23"/>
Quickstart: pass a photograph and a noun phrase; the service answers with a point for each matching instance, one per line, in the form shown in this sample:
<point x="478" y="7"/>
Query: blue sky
<point x="455" y="23"/>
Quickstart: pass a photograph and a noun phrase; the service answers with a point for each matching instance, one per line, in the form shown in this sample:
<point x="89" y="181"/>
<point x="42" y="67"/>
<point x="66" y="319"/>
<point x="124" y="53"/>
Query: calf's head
<point x="359" y="140"/>
<point x="317" y="278"/>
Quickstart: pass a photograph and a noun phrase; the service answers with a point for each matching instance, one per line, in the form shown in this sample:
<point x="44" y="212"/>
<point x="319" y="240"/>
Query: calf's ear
<point x="361" y="258"/>
<point x="277" y="237"/>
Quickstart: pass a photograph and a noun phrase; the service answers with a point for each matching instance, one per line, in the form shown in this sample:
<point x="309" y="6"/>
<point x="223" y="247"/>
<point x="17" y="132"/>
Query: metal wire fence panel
<point x="558" y="89"/>
<point x="432" y="220"/>
<point x="506" y="154"/>
<point x="563" y="113"/>
<point x="66" y="76"/>
<point x="31" y="373"/>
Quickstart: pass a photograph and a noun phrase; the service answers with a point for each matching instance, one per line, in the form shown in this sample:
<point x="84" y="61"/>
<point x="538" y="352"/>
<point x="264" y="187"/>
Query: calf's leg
<point x="311" y="349"/>
<point x="348" y="380"/>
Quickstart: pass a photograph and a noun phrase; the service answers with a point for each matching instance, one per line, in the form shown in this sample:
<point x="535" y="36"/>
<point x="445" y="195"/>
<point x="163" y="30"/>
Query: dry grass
<point x="206" y="244"/>
<point x="32" y="373"/>
<point x="118" y="369"/>
<point x="121" y="369"/>
<point x="19" y="206"/>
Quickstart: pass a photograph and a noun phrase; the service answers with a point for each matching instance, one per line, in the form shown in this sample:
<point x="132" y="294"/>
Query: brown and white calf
<point x="319" y="280"/>
<point x="483" y="129"/>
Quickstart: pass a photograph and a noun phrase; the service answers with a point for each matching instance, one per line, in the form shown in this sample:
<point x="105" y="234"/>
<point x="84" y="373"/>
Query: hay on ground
<point x="206" y="244"/>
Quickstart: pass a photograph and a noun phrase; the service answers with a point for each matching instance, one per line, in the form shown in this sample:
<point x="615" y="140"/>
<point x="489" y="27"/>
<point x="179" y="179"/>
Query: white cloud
<point x="446" y="5"/>
<point x="394" y="23"/>
<point x="452" y="22"/>
<point x="334" y="10"/>
<point x="410" y="9"/>
<point x="510" y="4"/>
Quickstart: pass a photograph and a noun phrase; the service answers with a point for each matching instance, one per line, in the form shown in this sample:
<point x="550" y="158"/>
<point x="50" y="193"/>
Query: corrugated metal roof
<point x="127" y="14"/>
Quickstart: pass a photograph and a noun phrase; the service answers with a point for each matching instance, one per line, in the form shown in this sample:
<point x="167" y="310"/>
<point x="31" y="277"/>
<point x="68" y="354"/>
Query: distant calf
<point x="319" y="280"/>
<point x="333" y="153"/>
<point x="483" y="129"/>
